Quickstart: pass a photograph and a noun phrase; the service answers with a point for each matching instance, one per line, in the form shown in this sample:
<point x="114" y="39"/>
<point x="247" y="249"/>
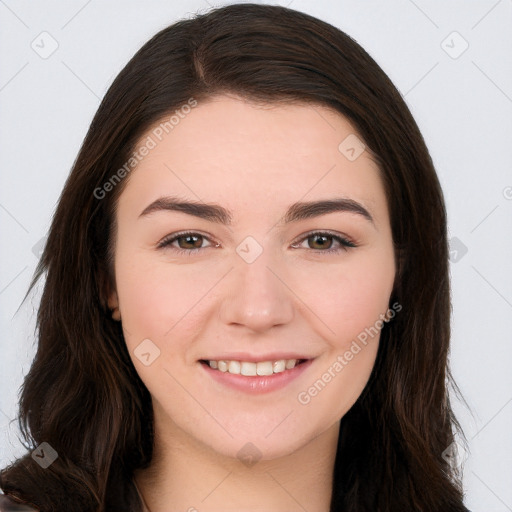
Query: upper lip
<point x="252" y="358"/>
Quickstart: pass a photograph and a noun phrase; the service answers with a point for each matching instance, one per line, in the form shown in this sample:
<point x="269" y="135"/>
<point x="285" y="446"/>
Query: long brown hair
<point x="82" y="394"/>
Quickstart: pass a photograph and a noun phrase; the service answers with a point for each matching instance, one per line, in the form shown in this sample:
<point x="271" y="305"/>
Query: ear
<point x="112" y="300"/>
<point x="113" y="305"/>
<point x="108" y="294"/>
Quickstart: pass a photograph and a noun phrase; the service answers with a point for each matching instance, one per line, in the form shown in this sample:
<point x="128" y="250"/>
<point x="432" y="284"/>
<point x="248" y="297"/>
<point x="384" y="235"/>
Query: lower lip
<point x="257" y="384"/>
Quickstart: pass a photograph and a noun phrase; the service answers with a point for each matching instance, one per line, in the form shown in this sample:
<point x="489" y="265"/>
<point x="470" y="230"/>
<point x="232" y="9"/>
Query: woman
<point x="247" y="300"/>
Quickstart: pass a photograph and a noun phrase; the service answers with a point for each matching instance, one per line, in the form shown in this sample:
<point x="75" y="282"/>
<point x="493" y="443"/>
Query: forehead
<point x="245" y="155"/>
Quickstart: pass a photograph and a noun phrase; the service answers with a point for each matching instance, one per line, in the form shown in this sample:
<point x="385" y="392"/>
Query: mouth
<point x="253" y="368"/>
<point x="257" y="375"/>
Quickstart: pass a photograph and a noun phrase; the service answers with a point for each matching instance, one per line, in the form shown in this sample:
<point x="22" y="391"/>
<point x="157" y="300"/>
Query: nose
<point x="257" y="296"/>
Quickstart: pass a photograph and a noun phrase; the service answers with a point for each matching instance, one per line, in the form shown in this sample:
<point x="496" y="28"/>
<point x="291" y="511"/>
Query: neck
<point x="192" y="477"/>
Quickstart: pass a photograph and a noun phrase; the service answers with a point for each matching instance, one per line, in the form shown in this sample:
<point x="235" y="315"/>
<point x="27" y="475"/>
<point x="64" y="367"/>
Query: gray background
<point x="461" y="98"/>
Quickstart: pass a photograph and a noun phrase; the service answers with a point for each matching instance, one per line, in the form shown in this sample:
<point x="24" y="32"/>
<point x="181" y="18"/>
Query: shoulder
<point x="8" y="504"/>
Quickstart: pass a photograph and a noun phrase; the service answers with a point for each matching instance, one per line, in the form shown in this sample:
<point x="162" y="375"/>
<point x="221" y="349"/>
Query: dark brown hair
<point x="82" y="394"/>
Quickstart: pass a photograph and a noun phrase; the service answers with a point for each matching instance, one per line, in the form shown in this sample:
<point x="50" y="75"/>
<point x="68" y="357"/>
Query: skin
<point x="255" y="161"/>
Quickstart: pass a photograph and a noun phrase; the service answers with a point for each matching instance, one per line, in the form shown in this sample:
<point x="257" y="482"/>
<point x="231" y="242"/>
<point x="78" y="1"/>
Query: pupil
<point x="189" y="239"/>
<point x="322" y="244"/>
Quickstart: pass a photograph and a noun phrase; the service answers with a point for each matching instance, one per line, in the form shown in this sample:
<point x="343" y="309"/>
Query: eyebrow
<point x="220" y="215"/>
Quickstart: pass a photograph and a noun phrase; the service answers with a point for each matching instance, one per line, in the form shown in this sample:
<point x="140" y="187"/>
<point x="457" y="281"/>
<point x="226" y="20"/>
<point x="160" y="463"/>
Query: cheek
<point x="348" y="298"/>
<point x="333" y="390"/>
<point x="159" y="300"/>
<point x="162" y="303"/>
<point x="351" y="309"/>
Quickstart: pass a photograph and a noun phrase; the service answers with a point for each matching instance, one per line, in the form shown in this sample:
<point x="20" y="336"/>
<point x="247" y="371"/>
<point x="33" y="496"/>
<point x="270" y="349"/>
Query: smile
<point x="255" y="376"/>
<point x="252" y="369"/>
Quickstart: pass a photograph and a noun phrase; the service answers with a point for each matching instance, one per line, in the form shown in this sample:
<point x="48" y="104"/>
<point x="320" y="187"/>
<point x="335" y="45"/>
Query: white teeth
<point x="264" y="368"/>
<point x="290" y="363"/>
<point x="279" y="366"/>
<point x="234" y="367"/>
<point x="250" y="369"/>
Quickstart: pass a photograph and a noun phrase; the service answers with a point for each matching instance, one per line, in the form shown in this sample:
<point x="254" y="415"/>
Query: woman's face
<point x="257" y="283"/>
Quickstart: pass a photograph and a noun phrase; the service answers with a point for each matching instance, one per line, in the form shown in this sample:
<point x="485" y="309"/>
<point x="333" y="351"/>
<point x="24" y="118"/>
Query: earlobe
<point x="108" y="295"/>
<point x="112" y="301"/>
<point x="113" y="305"/>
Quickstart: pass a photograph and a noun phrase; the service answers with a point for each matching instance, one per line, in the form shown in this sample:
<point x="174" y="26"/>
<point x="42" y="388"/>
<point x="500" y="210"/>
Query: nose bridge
<point x="256" y="299"/>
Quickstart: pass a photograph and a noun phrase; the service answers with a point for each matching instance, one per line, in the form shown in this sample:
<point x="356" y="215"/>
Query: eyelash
<point x="345" y="244"/>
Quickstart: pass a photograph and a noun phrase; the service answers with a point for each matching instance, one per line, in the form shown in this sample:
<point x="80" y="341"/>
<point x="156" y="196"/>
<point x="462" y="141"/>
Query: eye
<point x="321" y="240"/>
<point x="188" y="242"/>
